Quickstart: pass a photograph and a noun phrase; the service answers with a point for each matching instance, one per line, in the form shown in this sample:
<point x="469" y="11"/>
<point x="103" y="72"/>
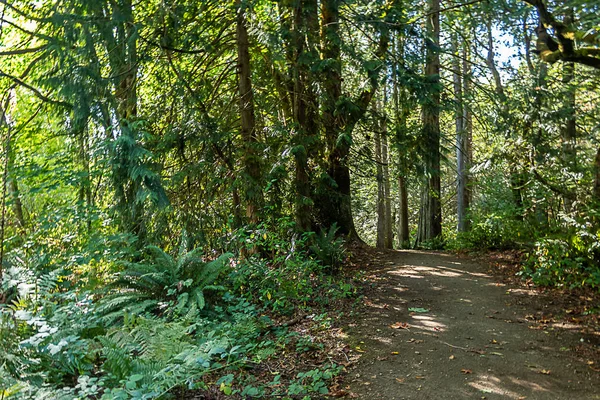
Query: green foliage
<point x="313" y="382"/>
<point x="492" y="233"/>
<point x="328" y="248"/>
<point x="162" y="284"/>
<point x="572" y="261"/>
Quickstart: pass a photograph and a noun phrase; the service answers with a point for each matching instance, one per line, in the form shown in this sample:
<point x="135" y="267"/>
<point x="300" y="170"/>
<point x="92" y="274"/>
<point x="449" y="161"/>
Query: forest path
<point x="436" y="326"/>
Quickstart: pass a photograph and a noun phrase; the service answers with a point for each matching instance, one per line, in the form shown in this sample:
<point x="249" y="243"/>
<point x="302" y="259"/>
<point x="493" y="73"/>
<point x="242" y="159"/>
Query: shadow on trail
<point x="438" y="327"/>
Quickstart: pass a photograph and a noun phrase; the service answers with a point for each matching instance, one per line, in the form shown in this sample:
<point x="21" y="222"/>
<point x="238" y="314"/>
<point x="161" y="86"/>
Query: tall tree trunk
<point x="467" y="149"/>
<point x="381" y="222"/>
<point x="121" y="47"/>
<point x="430" y="219"/>
<point x="460" y="136"/>
<point x="336" y="204"/>
<point x="401" y="111"/>
<point x="253" y="192"/>
<point x="403" y="231"/>
<point x="463" y="126"/>
<point x="389" y="232"/>
<point x="11" y="183"/>
<point x="304" y="104"/>
<point x="85" y="190"/>
<point x="596" y="189"/>
<point x="569" y="131"/>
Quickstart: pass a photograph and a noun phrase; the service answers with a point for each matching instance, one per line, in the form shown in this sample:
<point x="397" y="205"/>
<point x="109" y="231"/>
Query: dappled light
<point x="491" y="384"/>
<point x="299" y="199"/>
<point x="428" y="323"/>
<point x="454" y="323"/>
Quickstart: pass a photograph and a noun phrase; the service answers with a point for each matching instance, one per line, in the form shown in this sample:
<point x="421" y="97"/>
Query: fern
<point x="328" y="248"/>
<point x="161" y="281"/>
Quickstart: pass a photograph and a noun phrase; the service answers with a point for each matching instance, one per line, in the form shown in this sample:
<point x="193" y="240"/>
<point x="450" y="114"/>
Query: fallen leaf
<point x="545" y="372"/>
<point x="401" y="380"/>
<point x="395" y="353"/>
<point x="400" y="325"/>
<point x="495" y="353"/>
<point x="419" y="377"/>
<point x="466" y="371"/>
<point x="418" y="310"/>
<point x="451" y="357"/>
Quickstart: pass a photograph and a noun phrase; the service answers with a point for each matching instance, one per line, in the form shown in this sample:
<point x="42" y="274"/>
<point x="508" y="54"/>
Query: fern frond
<point x="212" y="270"/>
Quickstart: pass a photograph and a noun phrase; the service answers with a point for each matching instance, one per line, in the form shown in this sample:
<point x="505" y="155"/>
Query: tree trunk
<point x="121" y="47"/>
<point x="334" y="200"/>
<point x="12" y="185"/>
<point x="467" y="149"/>
<point x="335" y="203"/>
<point x="304" y="104"/>
<point x="459" y="121"/>
<point x="401" y="112"/>
<point x="403" y="231"/>
<point x="596" y="190"/>
<point x="430" y="219"/>
<point x="381" y="222"/>
<point x="569" y="131"/>
<point x="253" y="192"/>
<point x="389" y="232"/>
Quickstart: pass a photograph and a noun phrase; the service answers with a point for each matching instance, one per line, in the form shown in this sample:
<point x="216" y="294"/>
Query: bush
<point x="571" y="261"/>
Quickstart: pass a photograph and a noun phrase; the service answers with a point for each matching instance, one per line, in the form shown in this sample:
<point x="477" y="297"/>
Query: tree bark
<point x="381" y="222"/>
<point x="335" y="198"/>
<point x="336" y="204"/>
<point x="401" y="111"/>
<point x="459" y="121"/>
<point x="403" y="231"/>
<point x="430" y="219"/>
<point x="389" y="231"/>
<point x="253" y="192"/>
<point x="304" y="103"/>
<point x="596" y="190"/>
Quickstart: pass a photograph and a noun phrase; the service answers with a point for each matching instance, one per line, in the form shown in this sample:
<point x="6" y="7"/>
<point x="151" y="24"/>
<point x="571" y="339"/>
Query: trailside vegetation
<point x="182" y="182"/>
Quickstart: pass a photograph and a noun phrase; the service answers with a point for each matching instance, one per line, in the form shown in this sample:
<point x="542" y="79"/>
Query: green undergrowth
<point x="565" y="256"/>
<point x="570" y="260"/>
<point x="160" y="322"/>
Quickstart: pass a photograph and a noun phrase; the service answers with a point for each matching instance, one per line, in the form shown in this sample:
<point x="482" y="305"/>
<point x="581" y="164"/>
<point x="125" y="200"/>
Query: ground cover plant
<point x="184" y="185"/>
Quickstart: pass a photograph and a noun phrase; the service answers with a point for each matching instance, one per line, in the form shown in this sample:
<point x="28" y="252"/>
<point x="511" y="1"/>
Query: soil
<point x="440" y="326"/>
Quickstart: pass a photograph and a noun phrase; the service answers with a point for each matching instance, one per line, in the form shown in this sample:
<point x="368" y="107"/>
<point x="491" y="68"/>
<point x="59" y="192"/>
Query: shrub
<point x="572" y="260"/>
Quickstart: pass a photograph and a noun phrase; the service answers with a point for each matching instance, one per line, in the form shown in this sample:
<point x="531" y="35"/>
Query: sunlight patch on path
<point x="491" y="384"/>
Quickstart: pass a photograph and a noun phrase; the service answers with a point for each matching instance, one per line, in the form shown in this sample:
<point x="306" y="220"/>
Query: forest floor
<point x="441" y="326"/>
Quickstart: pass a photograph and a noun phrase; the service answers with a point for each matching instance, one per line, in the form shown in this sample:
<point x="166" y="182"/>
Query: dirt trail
<point x="467" y="337"/>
